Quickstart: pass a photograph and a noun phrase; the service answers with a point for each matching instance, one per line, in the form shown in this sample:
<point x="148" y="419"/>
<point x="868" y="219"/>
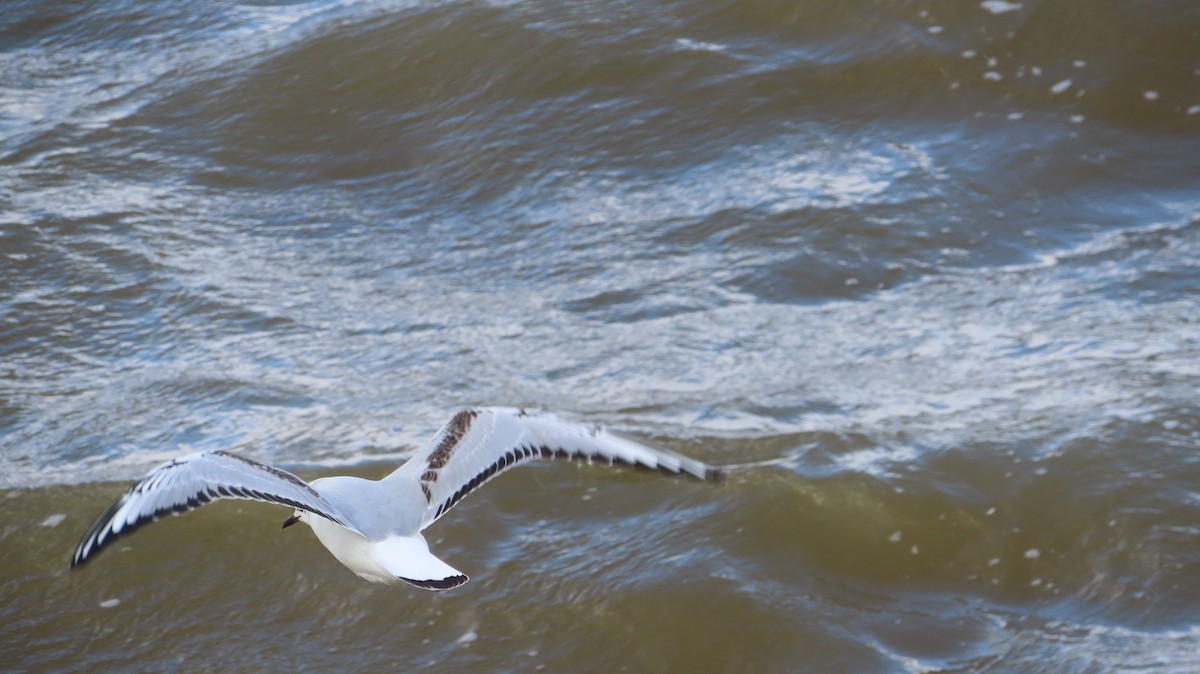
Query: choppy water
<point x="927" y="273"/>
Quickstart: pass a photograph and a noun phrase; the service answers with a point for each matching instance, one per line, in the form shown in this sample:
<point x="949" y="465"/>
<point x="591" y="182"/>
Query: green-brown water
<point x="926" y="275"/>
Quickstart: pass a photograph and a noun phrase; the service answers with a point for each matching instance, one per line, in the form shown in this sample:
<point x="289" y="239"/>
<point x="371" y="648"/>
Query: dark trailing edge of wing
<point x="526" y="453"/>
<point x="281" y="474"/>
<point x="437" y="585"/>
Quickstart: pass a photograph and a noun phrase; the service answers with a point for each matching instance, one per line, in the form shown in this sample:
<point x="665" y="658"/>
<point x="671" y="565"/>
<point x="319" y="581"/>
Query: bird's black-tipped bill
<point x="290" y="521"/>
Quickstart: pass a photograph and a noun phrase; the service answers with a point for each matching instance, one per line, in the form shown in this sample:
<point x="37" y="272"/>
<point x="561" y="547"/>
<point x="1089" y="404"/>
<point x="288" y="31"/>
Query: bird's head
<point x="297" y="516"/>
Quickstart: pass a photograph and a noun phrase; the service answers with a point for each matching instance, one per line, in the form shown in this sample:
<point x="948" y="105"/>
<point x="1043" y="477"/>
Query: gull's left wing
<point x="191" y="481"/>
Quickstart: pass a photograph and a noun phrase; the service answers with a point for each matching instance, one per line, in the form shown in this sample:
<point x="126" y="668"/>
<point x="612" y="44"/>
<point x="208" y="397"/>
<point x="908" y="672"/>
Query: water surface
<point x="925" y="275"/>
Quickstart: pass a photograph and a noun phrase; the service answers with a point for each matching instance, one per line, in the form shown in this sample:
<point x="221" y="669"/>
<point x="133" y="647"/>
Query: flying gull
<point x="374" y="526"/>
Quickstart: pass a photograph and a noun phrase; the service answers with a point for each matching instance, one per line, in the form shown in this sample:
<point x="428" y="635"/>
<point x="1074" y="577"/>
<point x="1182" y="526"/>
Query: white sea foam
<point x="1060" y="87"/>
<point x="1000" y="6"/>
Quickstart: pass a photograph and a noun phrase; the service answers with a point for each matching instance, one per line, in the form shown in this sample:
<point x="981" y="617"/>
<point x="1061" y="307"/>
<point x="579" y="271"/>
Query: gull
<point x="374" y="527"/>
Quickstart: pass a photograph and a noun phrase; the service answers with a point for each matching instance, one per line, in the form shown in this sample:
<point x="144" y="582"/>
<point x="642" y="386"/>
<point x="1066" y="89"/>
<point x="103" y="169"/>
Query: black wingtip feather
<point x="89" y="546"/>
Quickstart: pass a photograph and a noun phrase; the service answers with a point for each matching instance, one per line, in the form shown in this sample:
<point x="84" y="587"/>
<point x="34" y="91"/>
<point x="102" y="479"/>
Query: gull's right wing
<point x="476" y="445"/>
